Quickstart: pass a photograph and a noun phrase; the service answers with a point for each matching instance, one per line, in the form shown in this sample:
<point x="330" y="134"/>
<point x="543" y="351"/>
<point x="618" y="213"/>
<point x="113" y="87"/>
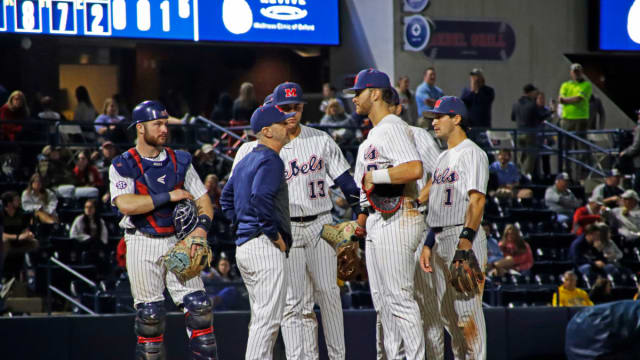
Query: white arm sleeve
<point x="193" y="184"/>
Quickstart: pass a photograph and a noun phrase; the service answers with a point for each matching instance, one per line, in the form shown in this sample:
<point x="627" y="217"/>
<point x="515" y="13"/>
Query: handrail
<point x="73" y="272"/>
<point x="577" y="138"/>
<point x="227" y="130"/>
<point x="53" y="260"/>
<point x="71" y="300"/>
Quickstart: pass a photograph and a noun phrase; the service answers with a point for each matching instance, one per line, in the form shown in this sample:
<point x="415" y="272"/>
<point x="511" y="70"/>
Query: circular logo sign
<point x="415" y="5"/>
<point x="416" y="33"/>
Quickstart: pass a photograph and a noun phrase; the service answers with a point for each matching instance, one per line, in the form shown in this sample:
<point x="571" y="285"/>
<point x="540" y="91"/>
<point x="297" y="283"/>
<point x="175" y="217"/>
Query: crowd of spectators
<point x="66" y="194"/>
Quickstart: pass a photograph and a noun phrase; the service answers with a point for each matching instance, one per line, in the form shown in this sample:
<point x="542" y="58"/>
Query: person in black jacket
<point x="528" y="117"/>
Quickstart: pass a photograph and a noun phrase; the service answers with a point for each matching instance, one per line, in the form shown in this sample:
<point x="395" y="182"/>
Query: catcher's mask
<point x="185" y="218"/>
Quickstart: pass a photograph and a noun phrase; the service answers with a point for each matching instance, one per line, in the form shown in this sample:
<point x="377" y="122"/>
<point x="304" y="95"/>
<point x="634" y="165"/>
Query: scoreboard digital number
<point x="276" y="21"/>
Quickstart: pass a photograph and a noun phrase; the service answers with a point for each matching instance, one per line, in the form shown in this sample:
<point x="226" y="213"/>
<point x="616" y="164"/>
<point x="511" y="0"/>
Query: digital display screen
<point x="312" y="22"/>
<point x="619" y="25"/>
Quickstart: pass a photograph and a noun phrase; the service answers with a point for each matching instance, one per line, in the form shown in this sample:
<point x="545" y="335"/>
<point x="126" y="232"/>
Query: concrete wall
<point x="367" y="30"/>
<point x="545" y="31"/>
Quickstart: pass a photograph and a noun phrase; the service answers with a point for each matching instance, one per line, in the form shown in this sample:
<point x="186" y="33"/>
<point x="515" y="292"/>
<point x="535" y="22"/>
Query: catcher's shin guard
<point x="199" y="319"/>
<point x="149" y="327"/>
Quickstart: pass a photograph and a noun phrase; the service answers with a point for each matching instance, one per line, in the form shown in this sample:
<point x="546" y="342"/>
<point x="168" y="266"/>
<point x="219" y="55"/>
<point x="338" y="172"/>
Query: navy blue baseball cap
<point x="369" y="78"/>
<point x="288" y="93"/>
<point x="448" y="105"/>
<point x="266" y="116"/>
<point x="147" y="111"/>
<point x="268" y="100"/>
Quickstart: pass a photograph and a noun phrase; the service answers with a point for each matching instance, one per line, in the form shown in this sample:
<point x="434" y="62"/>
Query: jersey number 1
<point x="448" y="196"/>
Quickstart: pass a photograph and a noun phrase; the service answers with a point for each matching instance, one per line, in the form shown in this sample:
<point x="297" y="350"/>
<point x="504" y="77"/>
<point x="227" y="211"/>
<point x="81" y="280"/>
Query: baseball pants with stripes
<point x="148" y="277"/>
<point x="312" y="268"/>
<point x="461" y="315"/>
<point x="263" y="269"/>
<point x="390" y="253"/>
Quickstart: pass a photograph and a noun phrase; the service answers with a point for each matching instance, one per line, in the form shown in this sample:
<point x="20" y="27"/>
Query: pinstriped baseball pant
<point x="147" y="277"/>
<point x="312" y="267"/>
<point x="391" y="246"/>
<point x="262" y="266"/>
<point x="461" y="315"/>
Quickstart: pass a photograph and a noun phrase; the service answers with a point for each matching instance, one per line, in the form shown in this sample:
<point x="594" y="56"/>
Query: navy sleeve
<point x="575" y="252"/>
<point x="226" y="201"/>
<point x="350" y="190"/>
<point x="264" y="190"/>
<point x="431" y="239"/>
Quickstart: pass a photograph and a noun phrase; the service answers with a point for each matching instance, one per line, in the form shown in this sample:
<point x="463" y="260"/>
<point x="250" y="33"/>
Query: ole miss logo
<point x="371" y="153"/>
<point x="290" y="92"/>
<point x="437" y="103"/>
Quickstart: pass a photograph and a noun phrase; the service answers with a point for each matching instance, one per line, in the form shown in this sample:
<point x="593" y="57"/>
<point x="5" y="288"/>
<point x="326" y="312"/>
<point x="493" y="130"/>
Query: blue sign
<point x="619" y="25"/>
<point x="416" y="33"/>
<point x="415" y="5"/>
<point x="311" y="22"/>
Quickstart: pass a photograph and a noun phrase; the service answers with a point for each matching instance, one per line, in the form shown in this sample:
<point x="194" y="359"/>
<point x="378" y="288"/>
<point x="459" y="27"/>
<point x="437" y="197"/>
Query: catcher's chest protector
<point x="154" y="177"/>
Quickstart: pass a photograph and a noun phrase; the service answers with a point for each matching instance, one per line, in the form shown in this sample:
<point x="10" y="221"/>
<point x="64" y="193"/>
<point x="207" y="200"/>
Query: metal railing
<point x="96" y="295"/>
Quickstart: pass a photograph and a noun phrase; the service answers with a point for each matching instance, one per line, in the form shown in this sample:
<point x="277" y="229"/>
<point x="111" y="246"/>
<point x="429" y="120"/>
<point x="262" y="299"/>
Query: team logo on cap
<point x="438" y="103"/>
<point x="290" y="92"/>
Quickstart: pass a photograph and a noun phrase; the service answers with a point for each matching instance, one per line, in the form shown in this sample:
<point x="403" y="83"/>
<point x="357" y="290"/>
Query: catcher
<point x="153" y="185"/>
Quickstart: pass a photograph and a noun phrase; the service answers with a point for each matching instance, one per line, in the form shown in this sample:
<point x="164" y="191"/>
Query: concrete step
<point x="24" y="304"/>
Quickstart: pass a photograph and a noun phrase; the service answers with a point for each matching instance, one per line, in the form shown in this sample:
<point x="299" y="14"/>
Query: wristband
<point x="381" y="176"/>
<point x="431" y="239"/>
<point x="204" y="222"/>
<point x="468" y="233"/>
<point x="160" y="199"/>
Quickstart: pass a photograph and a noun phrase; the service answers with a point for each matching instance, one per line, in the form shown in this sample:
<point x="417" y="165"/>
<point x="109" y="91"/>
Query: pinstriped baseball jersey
<point x="428" y="150"/>
<point x="458" y="171"/>
<point x="390" y="143"/>
<point x="308" y="160"/>
<point x="120" y="185"/>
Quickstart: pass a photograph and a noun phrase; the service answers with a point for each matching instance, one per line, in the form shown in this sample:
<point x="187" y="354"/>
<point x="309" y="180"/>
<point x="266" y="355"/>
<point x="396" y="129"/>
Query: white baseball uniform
<point x="310" y="158"/>
<point x="392" y="240"/>
<point x="428" y="150"/>
<point x="148" y="278"/>
<point x="458" y="171"/>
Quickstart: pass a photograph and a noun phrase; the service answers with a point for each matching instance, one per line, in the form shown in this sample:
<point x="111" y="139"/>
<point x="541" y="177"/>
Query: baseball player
<point x="310" y="158"/>
<point x="145" y="183"/>
<point x="256" y="200"/>
<point x="457" y="256"/>
<point x="389" y="156"/>
<point x="429" y="151"/>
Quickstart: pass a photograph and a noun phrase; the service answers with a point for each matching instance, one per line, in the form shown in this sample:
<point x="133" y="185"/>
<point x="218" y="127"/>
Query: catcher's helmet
<point x="185" y="218"/>
<point x="147" y="111"/>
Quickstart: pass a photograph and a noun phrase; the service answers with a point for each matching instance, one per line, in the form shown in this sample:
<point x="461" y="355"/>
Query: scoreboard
<point x="313" y="22"/>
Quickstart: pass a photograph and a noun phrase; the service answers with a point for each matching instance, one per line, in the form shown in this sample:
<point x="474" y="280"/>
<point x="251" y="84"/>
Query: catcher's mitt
<point x="178" y="259"/>
<point x="466" y="275"/>
<point x="343" y="238"/>
<point x="385" y="198"/>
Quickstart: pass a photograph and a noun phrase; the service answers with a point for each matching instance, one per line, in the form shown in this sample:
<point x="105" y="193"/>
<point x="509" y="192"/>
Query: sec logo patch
<point x="121" y="185"/>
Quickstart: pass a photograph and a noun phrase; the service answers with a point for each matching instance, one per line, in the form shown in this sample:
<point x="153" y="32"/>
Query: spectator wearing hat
<point x="478" y="97"/>
<point x="610" y="190"/>
<point x="52" y="168"/>
<point x="528" y="116"/>
<point x="588" y="214"/>
<point x="560" y="199"/>
<point x="626" y="219"/>
<point x="205" y="162"/>
<point x="574" y="97"/>
<point x="427" y="93"/>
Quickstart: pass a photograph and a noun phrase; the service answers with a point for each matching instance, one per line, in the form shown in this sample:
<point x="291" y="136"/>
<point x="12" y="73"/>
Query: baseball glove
<point x="178" y="259"/>
<point x="385" y="198"/>
<point x="343" y="238"/>
<point x="466" y="275"/>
